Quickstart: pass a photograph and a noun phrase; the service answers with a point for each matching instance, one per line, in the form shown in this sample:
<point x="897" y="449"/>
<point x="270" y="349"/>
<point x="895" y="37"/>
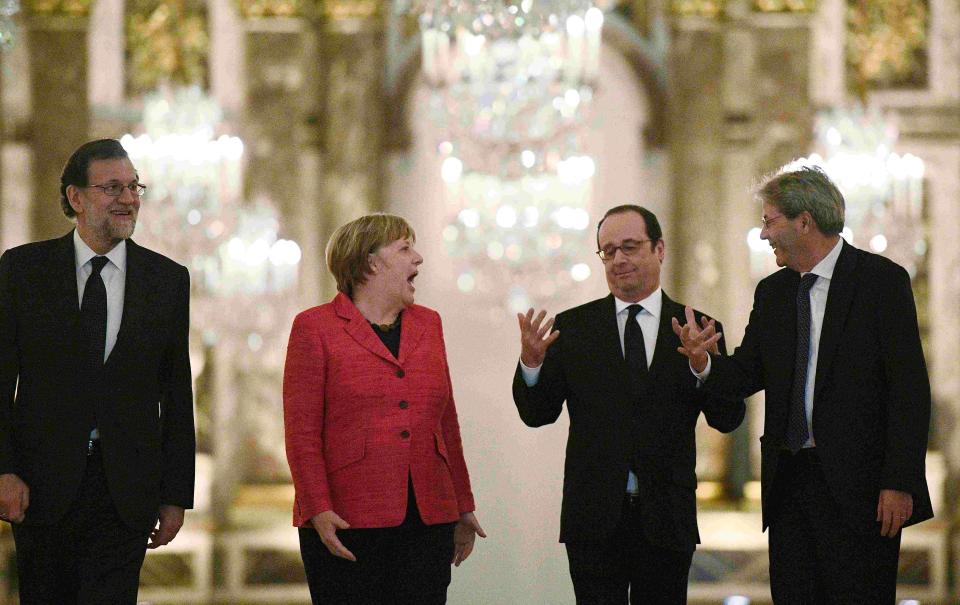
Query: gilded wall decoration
<point x="886" y="44"/>
<point x="253" y="9"/>
<point x="698" y="8"/>
<point x="167" y="43"/>
<point x="785" y="6"/>
<point x="60" y="8"/>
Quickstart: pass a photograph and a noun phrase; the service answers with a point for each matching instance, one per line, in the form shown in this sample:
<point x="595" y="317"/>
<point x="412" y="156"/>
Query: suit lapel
<point x="65" y="286"/>
<point x="667" y="341"/>
<point x="839" y="298"/>
<point x="608" y="337"/>
<point x="359" y="329"/>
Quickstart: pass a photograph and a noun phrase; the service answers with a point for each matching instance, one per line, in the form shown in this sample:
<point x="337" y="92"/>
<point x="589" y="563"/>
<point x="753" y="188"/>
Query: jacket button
<point x="404" y="405"/>
<point x="400" y="374"/>
<point x="405" y="434"/>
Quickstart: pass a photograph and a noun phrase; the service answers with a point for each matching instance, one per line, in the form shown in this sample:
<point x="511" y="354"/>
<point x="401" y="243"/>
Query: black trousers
<point x="605" y="573"/>
<point x="404" y="565"/>
<point x="90" y="557"/>
<point x="815" y="557"/>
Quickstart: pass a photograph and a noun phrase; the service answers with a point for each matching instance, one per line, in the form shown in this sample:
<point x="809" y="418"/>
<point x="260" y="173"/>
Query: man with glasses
<point x="833" y="341"/>
<point x="628" y="516"/>
<point x="96" y="405"/>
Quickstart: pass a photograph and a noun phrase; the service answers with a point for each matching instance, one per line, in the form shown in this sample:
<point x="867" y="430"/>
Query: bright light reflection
<point x="528" y="158"/>
<point x="469" y="217"/>
<point x="580" y="272"/>
<point x="495" y="250"/>
<point x="575" y="25"/>
<point x="878" y="243"/>
<point x="451" y="169"/>
<point x="506" y="216"/>
<point x="465" y="282"/>
<point x="450" y="233"/>
<point x="756" y="244"/>
<point x="594" y="18"/>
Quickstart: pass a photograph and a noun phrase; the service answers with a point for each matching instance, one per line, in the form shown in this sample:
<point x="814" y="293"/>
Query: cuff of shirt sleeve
<point x="702" y="376"/>
<point x="530" y="375"/>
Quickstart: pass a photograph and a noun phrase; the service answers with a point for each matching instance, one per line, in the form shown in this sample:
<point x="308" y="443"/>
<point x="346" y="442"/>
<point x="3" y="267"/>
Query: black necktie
<point x="93" y="314"/>
<point x="634" y="350"/>
<point x="797" y="431"/>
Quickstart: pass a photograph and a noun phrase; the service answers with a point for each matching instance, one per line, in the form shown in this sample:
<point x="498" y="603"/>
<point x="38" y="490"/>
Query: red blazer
<point x="357" y="421"/>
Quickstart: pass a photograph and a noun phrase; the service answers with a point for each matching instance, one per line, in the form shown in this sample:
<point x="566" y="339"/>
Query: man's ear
<point x="73" y="197"/>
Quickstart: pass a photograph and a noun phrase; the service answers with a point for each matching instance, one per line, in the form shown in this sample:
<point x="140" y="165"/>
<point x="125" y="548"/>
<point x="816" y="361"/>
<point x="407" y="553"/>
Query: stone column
<point x="353" y="113"/>
<point x="58" y="77"/>
<point x="279" y="61"/>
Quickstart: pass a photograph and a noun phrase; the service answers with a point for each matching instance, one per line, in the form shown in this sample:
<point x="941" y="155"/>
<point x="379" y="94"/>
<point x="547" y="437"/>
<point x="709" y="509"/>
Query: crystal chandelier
<point x="8" y="28"/>
<point x="883" y="190"/>
<point x="511" y="87"/>
<point x="194" y="211"/>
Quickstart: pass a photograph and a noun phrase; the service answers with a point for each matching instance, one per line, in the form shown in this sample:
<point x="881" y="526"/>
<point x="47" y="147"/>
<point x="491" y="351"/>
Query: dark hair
<point x="650" y="220"/>
<point x="806" y="189"/>
<point x="75" y="170"/>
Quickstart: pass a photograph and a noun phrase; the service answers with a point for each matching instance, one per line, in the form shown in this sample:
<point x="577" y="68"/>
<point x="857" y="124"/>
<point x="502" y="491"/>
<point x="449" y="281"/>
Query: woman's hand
<point x="464" y="535"/>
<point x="327" y="523"/>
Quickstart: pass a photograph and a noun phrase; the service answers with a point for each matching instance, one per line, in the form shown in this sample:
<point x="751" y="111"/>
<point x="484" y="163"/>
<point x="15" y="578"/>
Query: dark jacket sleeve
<point x="178" y="438"/>
<point x="740" y="375"/>
<point x="722" y="413"/>
<point x="9" y="364"/>
<point x="907" y="397"/>
<point x="541" y="404"/>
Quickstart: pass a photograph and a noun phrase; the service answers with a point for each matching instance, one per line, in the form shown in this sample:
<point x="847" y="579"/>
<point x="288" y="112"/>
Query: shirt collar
<point x="651" y="304"/>
<point x="83" y="253"/>
<point x="827" y="264"/>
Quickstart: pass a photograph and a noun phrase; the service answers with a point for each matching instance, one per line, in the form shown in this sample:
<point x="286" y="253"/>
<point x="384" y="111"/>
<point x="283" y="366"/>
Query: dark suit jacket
<point x="614" y="428"/>
<point x="142" y="401"/>
<point x="871" y="407"/>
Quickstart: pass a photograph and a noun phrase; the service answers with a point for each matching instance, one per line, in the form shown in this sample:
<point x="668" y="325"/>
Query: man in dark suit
<point x="628" y="517"/>
<point x="833" y="341"/>
<point x="96" y="404"/>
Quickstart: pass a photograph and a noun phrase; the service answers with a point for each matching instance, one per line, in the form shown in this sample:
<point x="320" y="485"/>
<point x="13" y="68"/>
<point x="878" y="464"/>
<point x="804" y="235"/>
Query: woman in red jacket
<point x="383" y="498"/>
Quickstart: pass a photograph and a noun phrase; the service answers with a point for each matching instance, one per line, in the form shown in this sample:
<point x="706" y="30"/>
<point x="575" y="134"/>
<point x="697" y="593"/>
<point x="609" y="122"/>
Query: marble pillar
<point x="58" y="78"/>
<point x="279" y="128"/>
<point x="353" y="53"/>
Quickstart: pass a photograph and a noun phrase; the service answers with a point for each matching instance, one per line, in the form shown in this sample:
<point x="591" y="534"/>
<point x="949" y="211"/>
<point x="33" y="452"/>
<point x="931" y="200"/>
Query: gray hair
<point x="806" y="189"/>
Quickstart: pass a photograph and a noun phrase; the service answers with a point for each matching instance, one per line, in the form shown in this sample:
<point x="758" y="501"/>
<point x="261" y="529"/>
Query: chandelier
<point x="511" y="86"/>
<point x="194" y="211"/>
<point x="8" y="28"/>
<point x="883" y="190"/>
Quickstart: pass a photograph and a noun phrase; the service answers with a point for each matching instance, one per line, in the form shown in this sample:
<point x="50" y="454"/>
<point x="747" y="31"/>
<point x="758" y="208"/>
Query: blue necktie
<point x="797" y="431"/>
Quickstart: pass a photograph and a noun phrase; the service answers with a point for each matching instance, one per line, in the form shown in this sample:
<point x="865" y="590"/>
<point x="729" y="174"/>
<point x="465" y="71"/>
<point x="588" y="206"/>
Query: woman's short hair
<point x="350" y="246"/>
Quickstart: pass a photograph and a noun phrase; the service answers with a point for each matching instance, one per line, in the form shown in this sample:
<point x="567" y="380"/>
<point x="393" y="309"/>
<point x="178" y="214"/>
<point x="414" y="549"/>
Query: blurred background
<point x="502" y="130"/>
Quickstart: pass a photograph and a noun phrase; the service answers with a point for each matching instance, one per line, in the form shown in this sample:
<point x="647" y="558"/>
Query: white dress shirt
<point x="649" y="320"/>
<point x="114" y="275"/>
<point x="818" y="307"/>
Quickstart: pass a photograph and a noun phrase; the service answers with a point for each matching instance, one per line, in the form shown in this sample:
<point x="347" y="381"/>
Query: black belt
<point x="807" y="455"/>
<point x="93" y="447"/>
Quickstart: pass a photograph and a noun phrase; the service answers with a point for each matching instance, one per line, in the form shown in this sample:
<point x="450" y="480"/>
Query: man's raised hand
<point x="697" y="341"/>
<point x="535" y="337"/>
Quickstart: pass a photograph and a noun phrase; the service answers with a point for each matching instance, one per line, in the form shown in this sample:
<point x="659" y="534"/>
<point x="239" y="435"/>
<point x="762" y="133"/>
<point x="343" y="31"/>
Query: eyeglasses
<point x="116" y="189"/>
<point x="766" y="221"/>
<point x="631" y="247"/>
